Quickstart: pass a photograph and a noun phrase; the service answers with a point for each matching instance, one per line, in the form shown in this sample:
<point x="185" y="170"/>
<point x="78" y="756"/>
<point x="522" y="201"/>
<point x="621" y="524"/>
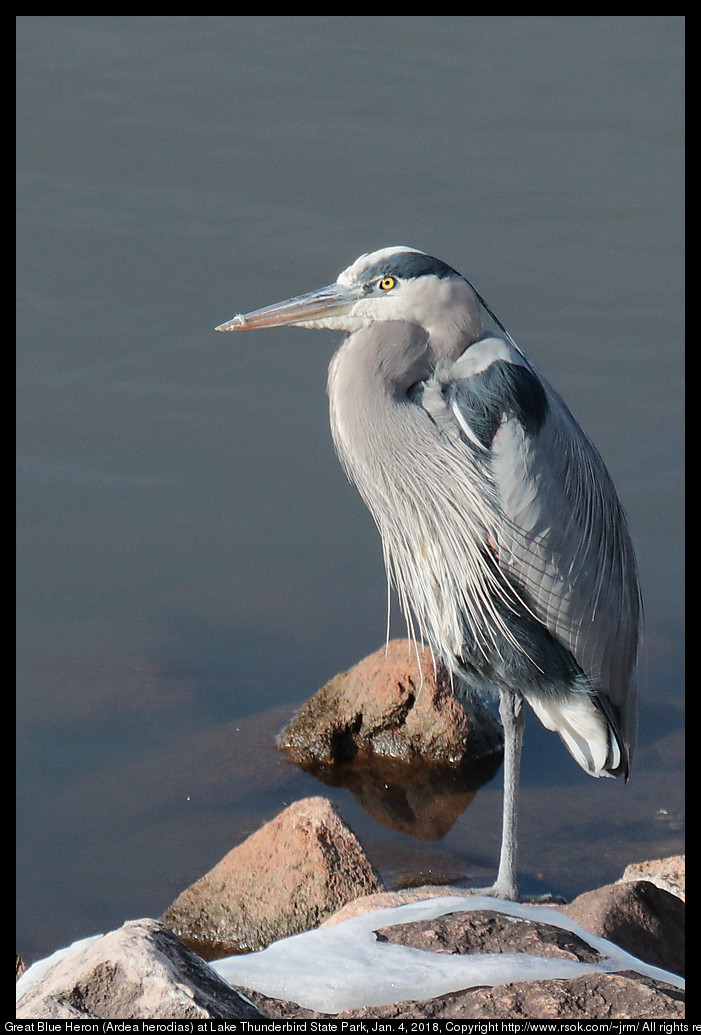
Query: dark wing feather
<point x="564" y="538"/>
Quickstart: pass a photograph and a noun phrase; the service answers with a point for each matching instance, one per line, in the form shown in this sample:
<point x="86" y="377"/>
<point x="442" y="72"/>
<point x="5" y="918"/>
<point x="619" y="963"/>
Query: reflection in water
<point x="419" y="800"/>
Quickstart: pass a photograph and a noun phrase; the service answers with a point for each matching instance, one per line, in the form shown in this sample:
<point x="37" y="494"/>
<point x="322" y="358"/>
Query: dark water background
<point x="192" y="562"/>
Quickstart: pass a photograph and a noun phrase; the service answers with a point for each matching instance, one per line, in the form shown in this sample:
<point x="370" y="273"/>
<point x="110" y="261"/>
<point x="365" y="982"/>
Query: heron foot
<point x="510" y="894"/>
<point x="497" y="890"/>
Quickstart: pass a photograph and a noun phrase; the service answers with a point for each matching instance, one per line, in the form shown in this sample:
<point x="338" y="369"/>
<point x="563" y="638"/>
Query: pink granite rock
<point x="287" y="877"/>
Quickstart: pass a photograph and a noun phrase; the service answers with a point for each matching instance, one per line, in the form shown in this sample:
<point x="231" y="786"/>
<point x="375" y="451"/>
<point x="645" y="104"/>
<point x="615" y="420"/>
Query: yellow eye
<point x="387" y="283"/>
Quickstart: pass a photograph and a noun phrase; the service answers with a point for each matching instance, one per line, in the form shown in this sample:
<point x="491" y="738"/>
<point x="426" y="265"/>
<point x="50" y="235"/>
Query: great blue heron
<point x="501" y="528"/>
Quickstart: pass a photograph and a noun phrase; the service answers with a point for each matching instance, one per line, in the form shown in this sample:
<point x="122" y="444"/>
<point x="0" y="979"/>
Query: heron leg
<point x="513" y="720"/>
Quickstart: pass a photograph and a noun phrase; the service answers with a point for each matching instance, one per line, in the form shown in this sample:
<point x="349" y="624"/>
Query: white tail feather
<point x="583" y="730"/>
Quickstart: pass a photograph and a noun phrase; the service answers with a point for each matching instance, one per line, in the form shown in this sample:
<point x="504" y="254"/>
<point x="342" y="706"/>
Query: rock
<point x="380" y="708"/>
<point x="596" y="995"/>
<point x="139" y="971"/>
<point x="20" y="966"/>
<point x="640" y="917"/>
<point x="286" y="878"/>
<point x="485" y="930"/>
<point x="600" y="996"/>
<point x="668" y="874"/>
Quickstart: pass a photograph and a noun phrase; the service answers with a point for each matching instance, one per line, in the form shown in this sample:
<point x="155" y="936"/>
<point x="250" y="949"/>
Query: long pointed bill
<point x="316" y="306"/>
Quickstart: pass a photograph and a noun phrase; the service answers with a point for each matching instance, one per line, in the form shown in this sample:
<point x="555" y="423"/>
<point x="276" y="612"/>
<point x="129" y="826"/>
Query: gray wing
<point x="563" y="538"/>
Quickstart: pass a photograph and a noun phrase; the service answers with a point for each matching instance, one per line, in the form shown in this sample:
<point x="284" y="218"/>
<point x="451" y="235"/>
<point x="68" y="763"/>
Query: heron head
<point x="393" y="284"/>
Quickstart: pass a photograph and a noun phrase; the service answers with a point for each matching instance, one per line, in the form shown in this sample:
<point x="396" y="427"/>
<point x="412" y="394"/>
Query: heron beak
<point x="310" y="310"/>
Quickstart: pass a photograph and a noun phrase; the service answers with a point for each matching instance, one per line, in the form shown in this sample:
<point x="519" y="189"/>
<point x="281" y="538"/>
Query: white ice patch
<point x="341" y="967"/>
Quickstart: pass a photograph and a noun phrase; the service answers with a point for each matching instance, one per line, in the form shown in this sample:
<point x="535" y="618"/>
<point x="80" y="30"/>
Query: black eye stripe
<point x="405" y="265"/>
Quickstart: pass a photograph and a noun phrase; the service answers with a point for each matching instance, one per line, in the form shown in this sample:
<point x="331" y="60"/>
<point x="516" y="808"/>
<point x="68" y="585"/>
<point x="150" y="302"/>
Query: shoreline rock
<point x="141" y="970"/>
<point x="286" y="878"/>
<point x="398" y="704"/>
<point x="668" y="874"/>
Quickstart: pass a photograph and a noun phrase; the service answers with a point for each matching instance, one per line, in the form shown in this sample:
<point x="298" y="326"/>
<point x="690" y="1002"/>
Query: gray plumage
<point x="501" y="529"/>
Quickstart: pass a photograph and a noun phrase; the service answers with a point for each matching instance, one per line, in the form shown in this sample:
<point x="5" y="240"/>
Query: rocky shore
<point x="360" y="949"/>
<point x="306" y="871"/>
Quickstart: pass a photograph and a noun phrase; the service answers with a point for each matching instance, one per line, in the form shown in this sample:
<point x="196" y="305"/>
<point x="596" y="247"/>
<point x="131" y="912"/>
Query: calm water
<point x="192" y="562"/>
